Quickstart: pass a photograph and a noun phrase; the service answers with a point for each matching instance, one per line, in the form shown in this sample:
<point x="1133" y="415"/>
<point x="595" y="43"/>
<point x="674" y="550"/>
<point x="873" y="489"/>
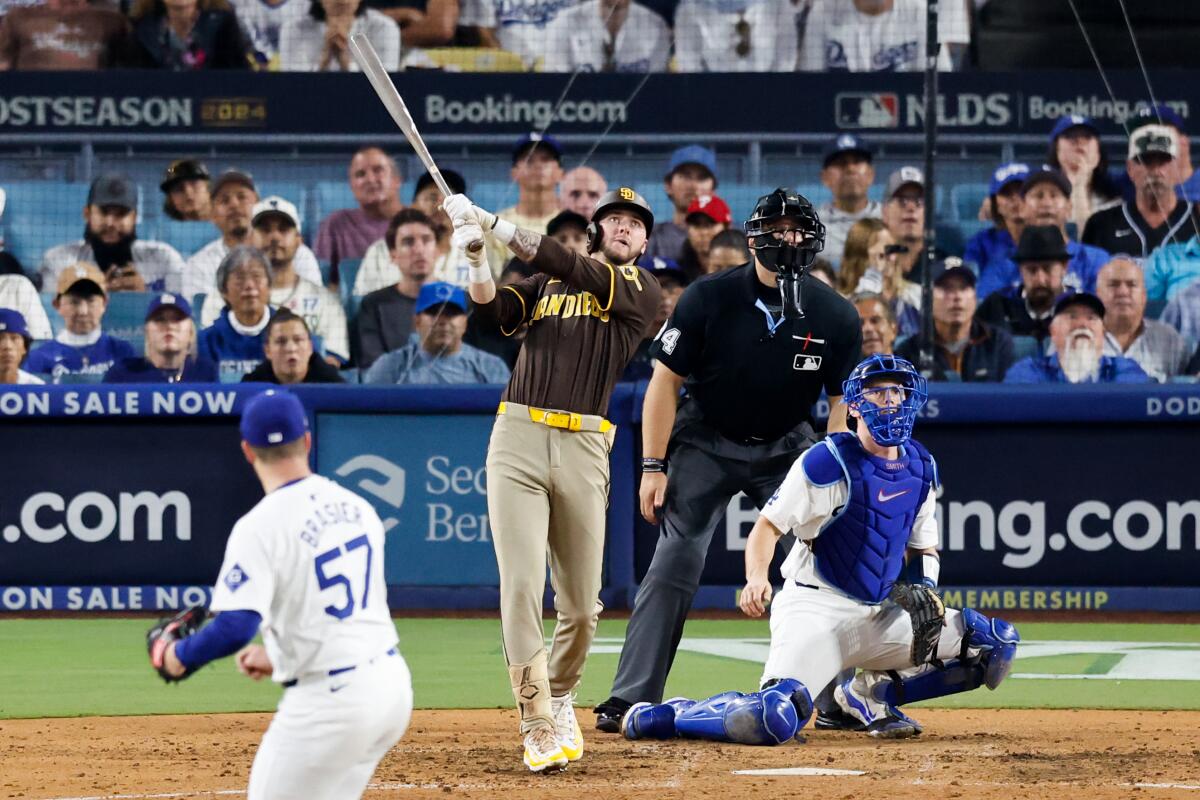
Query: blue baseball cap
<point x="534" y="140"/>
<point x="13" y="322"/>
<point x="436" y="293"/>
<point x="1065" y="123"/>
<point x="846" y="143"/>
<point x="693" y="154"/>
<point x="1006" y="174"/>
<point x="167" y="299"/>
<point x="667" y="267"/>
<point x="1157" y="114"/>
<point x="273" y="418"/>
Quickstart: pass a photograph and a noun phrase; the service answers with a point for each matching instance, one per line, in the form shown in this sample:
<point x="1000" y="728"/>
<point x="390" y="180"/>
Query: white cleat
<point x="542" y="751"/>
<point x="566" y="727"/>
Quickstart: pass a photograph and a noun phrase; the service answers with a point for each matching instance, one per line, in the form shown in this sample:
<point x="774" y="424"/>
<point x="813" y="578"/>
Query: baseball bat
<point x="371" y="65"/>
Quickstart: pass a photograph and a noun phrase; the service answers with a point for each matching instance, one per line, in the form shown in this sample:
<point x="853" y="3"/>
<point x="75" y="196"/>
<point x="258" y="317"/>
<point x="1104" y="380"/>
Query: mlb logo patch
<point x="867" y="110"/>
<point x="235" y="578"/>
<point x="806" y="363"/>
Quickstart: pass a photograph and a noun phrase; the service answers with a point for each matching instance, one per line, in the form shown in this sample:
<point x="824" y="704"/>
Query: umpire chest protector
<point x="861" y="550"/>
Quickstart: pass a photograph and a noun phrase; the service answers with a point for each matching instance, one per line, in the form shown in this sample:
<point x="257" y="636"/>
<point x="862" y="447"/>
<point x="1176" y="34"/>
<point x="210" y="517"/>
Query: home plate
<point x="812" y="771"/>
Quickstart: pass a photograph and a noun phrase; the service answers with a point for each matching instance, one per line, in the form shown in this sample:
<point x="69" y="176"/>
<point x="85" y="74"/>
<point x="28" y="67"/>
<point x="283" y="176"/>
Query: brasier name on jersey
<point x="329" y="514"/>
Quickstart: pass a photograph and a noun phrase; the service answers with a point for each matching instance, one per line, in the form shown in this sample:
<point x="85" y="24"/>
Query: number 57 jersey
<point x="309" y="559"/>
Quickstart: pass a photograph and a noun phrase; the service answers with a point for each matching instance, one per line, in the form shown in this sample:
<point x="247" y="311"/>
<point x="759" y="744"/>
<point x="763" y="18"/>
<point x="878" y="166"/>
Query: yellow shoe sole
<point x="552" y="763"/>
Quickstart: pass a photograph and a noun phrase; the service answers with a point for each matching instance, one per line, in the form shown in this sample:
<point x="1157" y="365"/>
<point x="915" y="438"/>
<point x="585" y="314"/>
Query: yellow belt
<point x="567" y="420"/>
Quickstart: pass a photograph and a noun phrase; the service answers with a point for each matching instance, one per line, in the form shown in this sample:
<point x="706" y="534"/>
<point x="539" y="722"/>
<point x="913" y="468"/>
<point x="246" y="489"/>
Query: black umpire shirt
<point x="1122" y="230"/>
<point x="754" y="375"/>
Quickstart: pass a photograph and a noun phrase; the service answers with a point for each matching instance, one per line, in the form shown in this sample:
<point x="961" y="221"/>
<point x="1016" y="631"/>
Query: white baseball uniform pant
<point x="330" y="732"/>
<point x="816" y="633"/>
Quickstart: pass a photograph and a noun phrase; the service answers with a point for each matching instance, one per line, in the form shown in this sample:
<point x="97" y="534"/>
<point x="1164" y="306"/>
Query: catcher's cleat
<point x="543" y="752"/>
<point x="900" y="727"/>
<point x="566" y="726"/>
<point x="609" y="714"/>
<point x="834" y="719"/>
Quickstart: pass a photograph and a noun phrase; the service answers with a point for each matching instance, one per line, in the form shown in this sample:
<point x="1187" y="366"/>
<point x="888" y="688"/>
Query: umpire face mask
<point x="788" y="248"/>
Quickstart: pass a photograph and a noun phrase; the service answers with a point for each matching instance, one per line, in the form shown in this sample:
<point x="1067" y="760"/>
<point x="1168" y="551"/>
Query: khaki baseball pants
<point x="547" y="499"/>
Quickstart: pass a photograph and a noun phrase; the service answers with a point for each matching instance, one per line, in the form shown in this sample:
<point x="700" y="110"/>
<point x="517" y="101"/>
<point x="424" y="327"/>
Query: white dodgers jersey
<point x="309" y="559"/>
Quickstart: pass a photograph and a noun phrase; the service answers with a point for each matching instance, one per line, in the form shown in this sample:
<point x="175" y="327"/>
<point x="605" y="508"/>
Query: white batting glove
<point x="460" y="207"/>
<point x="468" y="237"/>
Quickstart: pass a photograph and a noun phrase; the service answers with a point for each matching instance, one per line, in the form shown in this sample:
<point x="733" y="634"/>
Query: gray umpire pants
<point x="705" y="471"/>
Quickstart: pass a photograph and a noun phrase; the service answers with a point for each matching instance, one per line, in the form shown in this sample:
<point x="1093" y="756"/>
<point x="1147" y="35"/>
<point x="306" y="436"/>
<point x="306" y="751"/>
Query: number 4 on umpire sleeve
<point x="669" y="338"/>
<point x="326" y="581"/>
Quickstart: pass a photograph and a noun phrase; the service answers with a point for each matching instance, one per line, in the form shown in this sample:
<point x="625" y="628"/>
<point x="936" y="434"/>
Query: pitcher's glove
<point x="172" y="629"/>
<point x="928" y="615"/>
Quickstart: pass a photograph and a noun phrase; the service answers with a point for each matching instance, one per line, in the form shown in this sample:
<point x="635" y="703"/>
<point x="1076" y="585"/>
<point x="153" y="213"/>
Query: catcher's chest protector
<point x="861" y="550"/>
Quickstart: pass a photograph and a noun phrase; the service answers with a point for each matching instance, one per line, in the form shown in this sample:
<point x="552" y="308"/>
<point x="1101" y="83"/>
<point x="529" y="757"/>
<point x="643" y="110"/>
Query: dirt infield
<point x="475" y="754"/>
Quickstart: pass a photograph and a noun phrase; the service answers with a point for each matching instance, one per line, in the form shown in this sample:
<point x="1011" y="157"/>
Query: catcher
<point x="858" y="589"/>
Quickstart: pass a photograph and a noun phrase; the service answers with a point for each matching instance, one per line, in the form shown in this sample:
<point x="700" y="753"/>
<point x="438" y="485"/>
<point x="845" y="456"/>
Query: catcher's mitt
<point x="172" y="629"/>
<point x="927" y="613"/>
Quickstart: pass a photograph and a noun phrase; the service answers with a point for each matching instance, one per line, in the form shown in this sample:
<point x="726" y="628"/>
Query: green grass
<point x="74" y="667"/>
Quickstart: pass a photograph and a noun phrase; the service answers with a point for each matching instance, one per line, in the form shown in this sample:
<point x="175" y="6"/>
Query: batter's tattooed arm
<point x="525" y="244"/>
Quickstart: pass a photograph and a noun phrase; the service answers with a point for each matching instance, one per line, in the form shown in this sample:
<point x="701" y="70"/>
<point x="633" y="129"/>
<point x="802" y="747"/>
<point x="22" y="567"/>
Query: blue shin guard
<point x="653" y="720"/>
<point x="771" y="716"/>
<point x="996" y="641"/>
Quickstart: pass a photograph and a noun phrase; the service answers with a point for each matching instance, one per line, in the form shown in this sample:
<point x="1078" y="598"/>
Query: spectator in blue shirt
<point x="1078" y="335"/>
<point x="82" y="348"/>
<point x="170" y="342"/>
<point x="14" y="346"/>
<point x="235" y="340"/>
<point x="1046" y="200"/>
<point x="1172" y="268"/>
<point x="436" y="353"/>
<point x="1004" y="209"/>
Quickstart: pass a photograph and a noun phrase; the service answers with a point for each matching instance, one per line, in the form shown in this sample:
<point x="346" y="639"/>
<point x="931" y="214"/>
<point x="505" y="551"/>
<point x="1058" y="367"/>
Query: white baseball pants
<point x="330" y="732"/>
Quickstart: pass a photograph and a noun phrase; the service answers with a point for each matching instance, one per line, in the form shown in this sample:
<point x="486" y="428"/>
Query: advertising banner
<point x="425" y="476"/>
<point x="495" y="104"/>
<point x="114" y="502"/>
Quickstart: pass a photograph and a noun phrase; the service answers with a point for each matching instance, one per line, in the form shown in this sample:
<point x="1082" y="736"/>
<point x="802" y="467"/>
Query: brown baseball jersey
<point x="586" y="318"/>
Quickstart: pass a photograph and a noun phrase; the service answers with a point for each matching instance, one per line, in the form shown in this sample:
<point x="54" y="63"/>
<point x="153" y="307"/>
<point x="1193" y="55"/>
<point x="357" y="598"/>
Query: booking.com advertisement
<point x="1042" y="505"/>
<point x="425" y="476"/>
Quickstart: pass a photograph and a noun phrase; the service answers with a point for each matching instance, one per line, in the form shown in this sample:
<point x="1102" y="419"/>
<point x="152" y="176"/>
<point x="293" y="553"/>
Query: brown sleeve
<point x="622" y="291"/>
<point x="513" y="303"/>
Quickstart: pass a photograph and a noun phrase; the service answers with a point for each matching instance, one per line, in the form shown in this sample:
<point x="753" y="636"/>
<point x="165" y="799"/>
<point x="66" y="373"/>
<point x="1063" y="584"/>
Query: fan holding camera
<point x="872" y="267"/>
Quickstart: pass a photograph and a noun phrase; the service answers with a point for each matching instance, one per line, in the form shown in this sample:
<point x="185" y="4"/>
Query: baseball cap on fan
<point x="1161" y="114"/>
<point x="82" y="272"/>
<point x="168" y="300"/>
<point x="693" y="154"/>
<point x="278" y="206"/>
<point x="1070" y="121"/>
<point x="711" y="206"/>
<point x="1006" y="174"/>
<point x="1153" y="139"/>
<point x="902" y="177"/>
<point x="113" y="189"/>
<point x="537" y="141"/>
<point x="846" y="143"/>
<point x="273" y="418"/>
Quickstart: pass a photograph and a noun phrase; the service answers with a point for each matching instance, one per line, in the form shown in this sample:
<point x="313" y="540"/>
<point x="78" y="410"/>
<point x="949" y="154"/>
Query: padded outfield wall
<point x="122" y="498"/>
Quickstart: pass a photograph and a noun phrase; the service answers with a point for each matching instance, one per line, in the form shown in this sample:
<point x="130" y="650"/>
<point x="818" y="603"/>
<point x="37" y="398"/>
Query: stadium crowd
<point x="379" y="296"/>
<point x="543" y="35"/>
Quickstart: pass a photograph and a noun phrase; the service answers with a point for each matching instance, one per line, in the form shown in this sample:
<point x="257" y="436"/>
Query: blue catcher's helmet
<point x="888" y="425"/>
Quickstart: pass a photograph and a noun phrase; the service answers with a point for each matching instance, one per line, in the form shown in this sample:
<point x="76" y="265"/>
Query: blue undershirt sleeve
<point x="228" y="632"/>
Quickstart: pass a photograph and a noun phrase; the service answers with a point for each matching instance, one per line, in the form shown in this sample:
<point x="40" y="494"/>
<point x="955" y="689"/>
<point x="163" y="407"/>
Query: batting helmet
<point x="621" y="198"/>
<point x="889" y="425"/>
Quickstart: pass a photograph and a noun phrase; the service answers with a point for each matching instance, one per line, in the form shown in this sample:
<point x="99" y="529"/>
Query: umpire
<point x="753" y="346"/>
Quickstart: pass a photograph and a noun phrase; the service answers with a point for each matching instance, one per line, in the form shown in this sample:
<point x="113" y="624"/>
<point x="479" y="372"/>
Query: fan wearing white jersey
<point x="306" y="564"/>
